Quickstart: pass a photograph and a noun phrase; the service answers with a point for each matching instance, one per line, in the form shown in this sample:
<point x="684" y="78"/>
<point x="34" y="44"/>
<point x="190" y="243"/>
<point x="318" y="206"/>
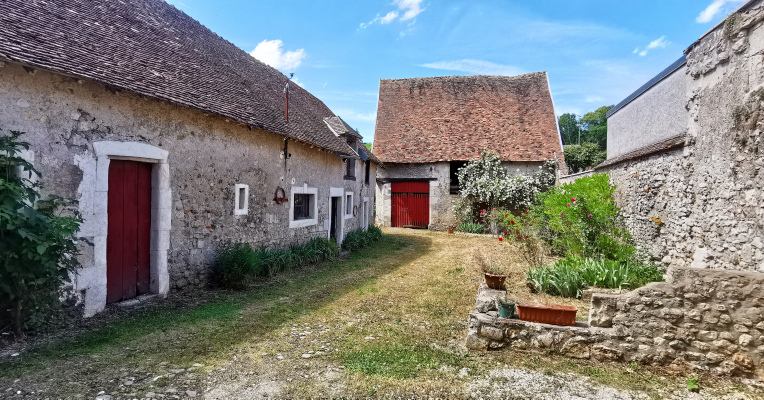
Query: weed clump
<point x="237" y="263"/>
<point x="361" y="238"/>
<point x="569" y="276"/>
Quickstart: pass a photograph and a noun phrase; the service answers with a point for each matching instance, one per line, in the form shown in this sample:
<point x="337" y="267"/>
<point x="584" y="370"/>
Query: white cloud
<point x="710" y="12"/>
<point x="476" y="67"/>
<point x="271" y="53"/>
<point x="408" y="8"/>
<point x="389" y="17"/>
<point x="594" y="99"/>
<point x="659" y="43"/>
<point x="352" y="115"/>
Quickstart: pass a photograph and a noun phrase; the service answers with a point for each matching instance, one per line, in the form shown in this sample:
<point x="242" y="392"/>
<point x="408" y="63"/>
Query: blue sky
<point x="596" y="52"/>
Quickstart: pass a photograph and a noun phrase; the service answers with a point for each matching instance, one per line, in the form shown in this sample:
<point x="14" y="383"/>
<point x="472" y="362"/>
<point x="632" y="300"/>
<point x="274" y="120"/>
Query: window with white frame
<point x="303" y="207"/>
<point x="241" y="199"/>
<point x="348" y="204"/>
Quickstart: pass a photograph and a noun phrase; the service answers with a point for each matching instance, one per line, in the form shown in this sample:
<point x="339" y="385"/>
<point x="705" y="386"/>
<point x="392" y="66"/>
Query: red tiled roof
<point x="456" y="118"/>
<point x="151" y="48"/>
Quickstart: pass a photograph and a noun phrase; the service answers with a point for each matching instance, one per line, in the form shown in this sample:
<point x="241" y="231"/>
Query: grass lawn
<point x="387" y="320"/>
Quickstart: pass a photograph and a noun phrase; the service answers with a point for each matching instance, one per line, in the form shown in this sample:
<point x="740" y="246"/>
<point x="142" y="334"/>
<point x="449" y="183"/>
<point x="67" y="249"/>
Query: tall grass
<point x="361" y="238"/>
<point x="568" y="277"/>
<point x="471" y="228"/>
<point x="237" y="264"/>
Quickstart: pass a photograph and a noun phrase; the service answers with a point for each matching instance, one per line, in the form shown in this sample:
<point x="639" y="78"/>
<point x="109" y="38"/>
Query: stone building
<point x="172" y="140"/>
<point x="685" y="151"/>
<point x="428" y="128"/>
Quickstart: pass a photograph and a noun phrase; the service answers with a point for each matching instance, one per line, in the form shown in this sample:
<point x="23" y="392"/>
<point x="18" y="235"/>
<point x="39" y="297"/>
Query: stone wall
<point x="207" y="156"/>
<point x="701" y="205"/>
<point x="706" y="320"/>
<point x="441" y="201"/>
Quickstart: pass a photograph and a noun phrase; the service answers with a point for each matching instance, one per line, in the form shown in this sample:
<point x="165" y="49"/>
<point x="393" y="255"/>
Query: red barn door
<point x="129" y="230"/>
<point x="411" y="204"/>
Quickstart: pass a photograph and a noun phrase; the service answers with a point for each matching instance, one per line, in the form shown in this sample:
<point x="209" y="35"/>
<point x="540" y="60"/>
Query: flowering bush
<point x="581" y="218"/>
<point x="523" y="230"/>
<point x="486" y="182"/>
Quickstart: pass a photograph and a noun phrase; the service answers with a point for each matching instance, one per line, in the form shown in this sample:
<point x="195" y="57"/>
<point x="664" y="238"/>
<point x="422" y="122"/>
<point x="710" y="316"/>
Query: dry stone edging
<point x="703" y="320"/>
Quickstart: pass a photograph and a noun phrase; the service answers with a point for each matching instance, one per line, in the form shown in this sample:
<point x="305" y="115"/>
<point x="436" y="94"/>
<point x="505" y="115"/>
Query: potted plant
<point x="495" y="275"/>
<point x="506" y="307"/>
<point x="450" y="229"/>
<point x="494" y="272"/>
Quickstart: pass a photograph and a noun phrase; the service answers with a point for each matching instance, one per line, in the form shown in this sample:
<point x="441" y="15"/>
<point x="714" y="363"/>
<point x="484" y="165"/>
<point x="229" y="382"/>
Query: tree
<point x="38" y="250"/>
<point x="594" y="127"/>
<point x="581" y="157"/>
<point x="570" y="128"/>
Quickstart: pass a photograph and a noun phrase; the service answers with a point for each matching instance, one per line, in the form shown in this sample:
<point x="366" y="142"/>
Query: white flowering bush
<point x="485" y="182"/>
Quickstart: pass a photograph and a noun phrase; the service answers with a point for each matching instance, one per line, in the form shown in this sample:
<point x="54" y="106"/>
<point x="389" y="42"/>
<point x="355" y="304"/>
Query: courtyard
<point x="387" y="321"/>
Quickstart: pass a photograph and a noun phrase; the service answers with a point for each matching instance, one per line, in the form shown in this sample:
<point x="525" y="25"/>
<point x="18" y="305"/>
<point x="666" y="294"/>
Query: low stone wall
<point x="707" y="320"/>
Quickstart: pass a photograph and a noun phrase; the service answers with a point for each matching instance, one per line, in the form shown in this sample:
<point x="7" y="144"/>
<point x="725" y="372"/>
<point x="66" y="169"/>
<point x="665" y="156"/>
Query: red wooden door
<point x="410" y="204"/>
<point x="129" y="230"/>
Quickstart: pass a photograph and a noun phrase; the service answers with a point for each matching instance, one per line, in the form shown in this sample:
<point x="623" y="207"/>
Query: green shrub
<point x="38" y="246"/>
<point x="279" y="260"/>
<point x="361" y="238"/>
<point x="569" y="276"/>
<point x="471" y="228"/>
<point x="642" y="274"/>
<point x="581" y="157"/>
<point x="581" y="219"/>
<point x="235" y="265"/>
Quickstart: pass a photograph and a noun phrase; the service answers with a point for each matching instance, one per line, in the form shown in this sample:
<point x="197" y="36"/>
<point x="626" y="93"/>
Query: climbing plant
<point x="38" y="250"/>
<point x="487" y="183"/>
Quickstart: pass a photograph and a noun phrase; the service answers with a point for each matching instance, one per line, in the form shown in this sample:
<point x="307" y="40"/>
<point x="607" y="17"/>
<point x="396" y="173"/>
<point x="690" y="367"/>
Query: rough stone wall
<point x="657" y="114"/>
<point x="441" y="201"/>
<point x="708" y="320"/>
<point x="701" y="206"/>
<point x="208" y="155"/>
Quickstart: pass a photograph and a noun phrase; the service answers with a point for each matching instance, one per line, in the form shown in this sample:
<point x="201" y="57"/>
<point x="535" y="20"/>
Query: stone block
<point x="743" y="361"/>
<point x="605" y="353"/>
<point x="576" y="348"/>
<point x="745" y="340"/>
<point x="492" y="333"/>
<point x="486" y="298"/>
<point x="476" y="342"/>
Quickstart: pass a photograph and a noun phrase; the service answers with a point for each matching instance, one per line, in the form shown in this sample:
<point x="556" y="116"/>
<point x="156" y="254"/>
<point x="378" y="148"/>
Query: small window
<point x="350" y="169"/>
<point x="368" y="167"/>
<point x="241" y="199"/>
<point x="455" y="166"/>
<point x="349" y="205"/>
<point x="303" y="206"/>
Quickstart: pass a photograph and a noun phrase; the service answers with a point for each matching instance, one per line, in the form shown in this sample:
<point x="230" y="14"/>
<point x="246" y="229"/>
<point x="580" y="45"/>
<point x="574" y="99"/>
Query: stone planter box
<point x="547" y="314"/>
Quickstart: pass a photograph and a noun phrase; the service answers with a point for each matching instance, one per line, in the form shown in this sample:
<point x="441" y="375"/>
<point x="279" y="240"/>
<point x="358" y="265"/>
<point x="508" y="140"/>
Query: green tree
<point x="594" y="127"/>
<point x="570" y="128"/>
<point x="38" y="250"/>
<point x="580" y="158"/>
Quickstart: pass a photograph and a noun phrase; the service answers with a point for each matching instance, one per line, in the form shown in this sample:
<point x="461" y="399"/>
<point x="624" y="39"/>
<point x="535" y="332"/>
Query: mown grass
<point x="181" y="334"/>
<point x="399" y="361"/>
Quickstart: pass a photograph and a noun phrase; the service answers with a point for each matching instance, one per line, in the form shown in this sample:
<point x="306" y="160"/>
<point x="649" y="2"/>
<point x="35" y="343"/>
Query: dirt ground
<point x="386" y="322"/>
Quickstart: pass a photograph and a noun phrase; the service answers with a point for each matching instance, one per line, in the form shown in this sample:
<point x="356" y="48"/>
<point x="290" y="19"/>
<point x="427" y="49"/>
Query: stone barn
<point x="428" y="128"/>
<point x="172" y="140"/>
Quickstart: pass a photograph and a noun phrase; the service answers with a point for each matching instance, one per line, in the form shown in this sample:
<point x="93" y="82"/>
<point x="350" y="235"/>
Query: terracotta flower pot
<point x="547" y="314"/>
<point x="450" y="231"/>
<point x="495" y="281"/>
